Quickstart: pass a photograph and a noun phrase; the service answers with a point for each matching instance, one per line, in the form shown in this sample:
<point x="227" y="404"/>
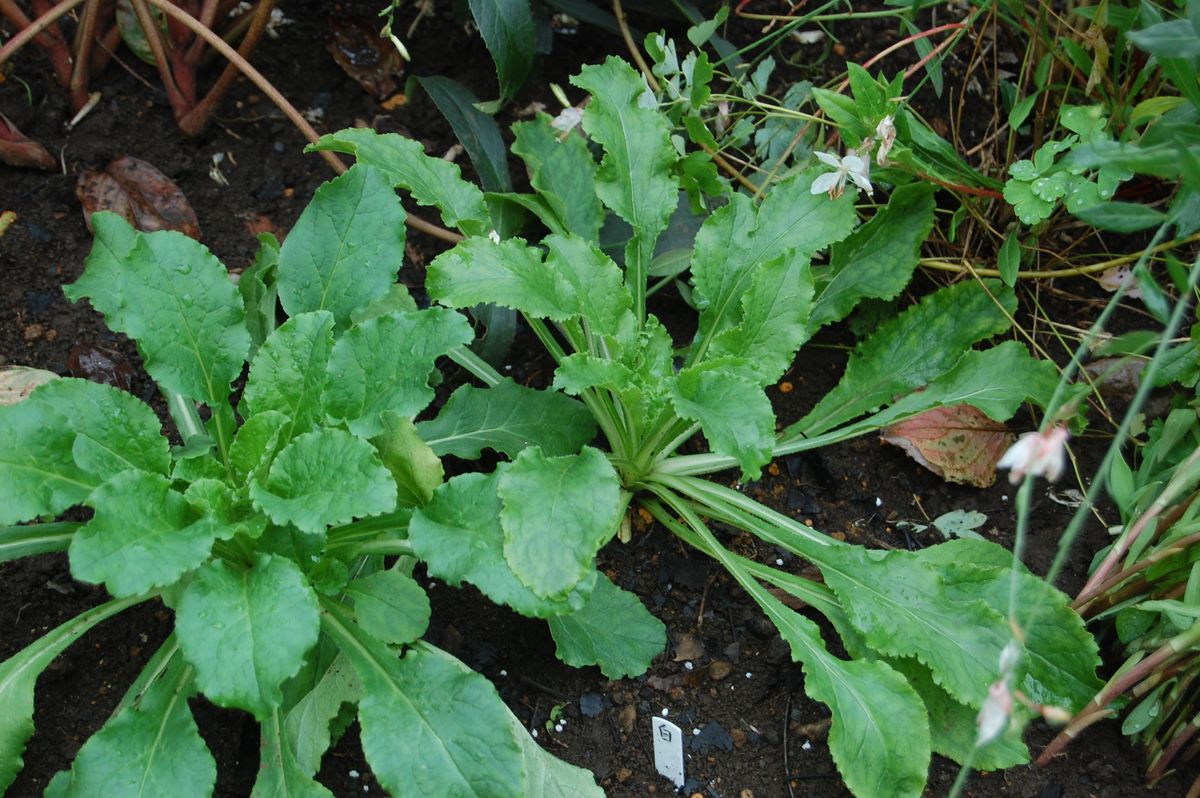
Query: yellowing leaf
<point x="958" y="443"/>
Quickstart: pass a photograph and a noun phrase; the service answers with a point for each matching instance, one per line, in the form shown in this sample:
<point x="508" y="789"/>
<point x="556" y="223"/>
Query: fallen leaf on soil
<point x="144" y="196"/>
<point x="90" y="361"/>
<point x="787" y="598"/>
<point x="958" y="443"/>
<point x="16" y="150"/>
<point x="664" y="684"/>
<point x="1114" y="278"/>
<point x="261" y="223"/>
<point x="17" y="382"/>
<point x="689" y="647"/>
<point x="365" y="56"/>
<point x="1117" y="377"/>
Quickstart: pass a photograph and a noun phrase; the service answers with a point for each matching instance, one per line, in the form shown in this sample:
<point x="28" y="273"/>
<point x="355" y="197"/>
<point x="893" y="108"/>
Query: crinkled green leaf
<point x="287" y="374"/>
<point x="912" y="350"/>
<point x="414" y="465"/>
<point x="1030" y="208"/>
<point x="257" y="442"/>
<point x="588" y="636"/>
<point x="459" y="537"/>
<point x="771" y="325"/>
<point x="66" y="438"/>
<point x="563" y="173"/>
<point x="390" y="606"/>
<point x="18" y="676"/>
<point x="144" y="534"/>
<point x="345" y="249"/>
<point x="507" y="418"/>
<point x="169" y="294"/>
<point x="635" y="177"/>
<point x="228" y="510"/>
<point x="556" y="513"/>
<point x="738" y="239"/>
<point x="509" y="273"/>
<point x="430" y="725"/>
<point x="595" y="283"/>
<point x="322" y="478"/>
<point x="246" y="630"/>
<point x="431" y="181"/>
<point x="151" y="748"/>
<point x="384" y="364"/>
<point x="733" y="412"/>
<point x="877" y="260"/>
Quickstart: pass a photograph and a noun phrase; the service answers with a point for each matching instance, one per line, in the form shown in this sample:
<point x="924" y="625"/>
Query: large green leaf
<point x="430" y="725"/>
<point x="738" y="239"/>
<point x="459" y="537"/>
<point x="65" y="439"/>
<point x="563" y="173"/>
<point x="1061" y="657"/>
<point x="384" y="363"/>
<point x="877" y="259"/>
<point x="431" y="181"/>
<point x="547" y="776"/>
<point x="144" y="534"/>
<point x="509" y="273"/>
<point x="345" y="249"/>
<point x="507" y="418"/>
<point x="168" y="293"/>
<point x="734" y="413"/>
<point x="996" y="380"/>
<point x="588" y="636"/>
<point x="322" y="478"/>
<point x="879" y="732"/>
<point x="287" y="374"/>
<point x="246" y="630"/>
<point x="911" y="351"/>
<point x="595" y="283"/>
<point x="507" y="29"/>
<point x="390" y="606"/>
<point x="18" y="677"/>
<point x="556" y="513"/>
<point x="151" y="748"/>
<point x="635" y="177"/>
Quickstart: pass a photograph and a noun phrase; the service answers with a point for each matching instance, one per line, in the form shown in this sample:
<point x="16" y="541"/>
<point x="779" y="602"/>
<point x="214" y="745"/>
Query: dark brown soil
<point x="758" y="733"/>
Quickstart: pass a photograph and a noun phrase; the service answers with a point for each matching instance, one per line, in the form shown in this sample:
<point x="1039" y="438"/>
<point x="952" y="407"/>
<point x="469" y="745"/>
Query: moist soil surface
<point x="726" y="677"/>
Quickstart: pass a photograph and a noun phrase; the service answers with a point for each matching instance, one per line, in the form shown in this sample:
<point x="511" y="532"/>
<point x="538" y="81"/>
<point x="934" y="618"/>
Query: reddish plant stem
<point x="179" y="103"/>
<point x="84" y="40"/>
<point x="1105" y="587"/>
<point x="44" y="29"/>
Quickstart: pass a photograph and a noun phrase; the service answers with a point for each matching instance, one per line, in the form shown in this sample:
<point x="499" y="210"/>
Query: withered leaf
<point x="689" y="647"/>
<point x="16" y="150"/>
<point x="17" y="382"/>
<point x="365" y="56"/>
<point x="144" y="196"/>
<point x="958" y="443"/>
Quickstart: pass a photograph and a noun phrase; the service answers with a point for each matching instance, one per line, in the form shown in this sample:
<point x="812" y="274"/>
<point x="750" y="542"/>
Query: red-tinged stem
<point x="85" y="38"/>
<point x="196" y="119"/>
<point x="978" y="192"/>
<point x="1164" y="760"/>
<point x="179" y="102"/>
<point x="1103" y="588"/>
<point x="52" y="41"/>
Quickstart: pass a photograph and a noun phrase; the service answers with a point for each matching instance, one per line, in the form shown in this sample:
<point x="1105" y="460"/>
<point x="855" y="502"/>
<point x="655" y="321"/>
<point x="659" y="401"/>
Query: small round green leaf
<point x="391" y="606"/>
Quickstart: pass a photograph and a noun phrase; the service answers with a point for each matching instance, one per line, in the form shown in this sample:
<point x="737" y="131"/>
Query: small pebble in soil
<point x="665" y="712"/>
<point x="878" y="502"/>
<point x="695" y="732"/>
<point x="747" y="674"/>
<point x="688" y="666"/>
<point x="806" y="745"/>
<point x="778" y="561"/>
<point x="504" y="673"/>
<point x="558" y="727"/>
<point x="533" y="734"/>
<point x="353" y="774"/>
<point x="591" y="704"/>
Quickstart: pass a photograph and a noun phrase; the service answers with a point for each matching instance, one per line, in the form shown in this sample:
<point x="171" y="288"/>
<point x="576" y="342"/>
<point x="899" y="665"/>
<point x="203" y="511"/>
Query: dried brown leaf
<point x="17" y="382"/>
<point x="16" y="150"/>
<point x="958" y="443"/>
<point x="689" y="647"/>
<point x="136" y="190"/>
<point x="365" y="56"/>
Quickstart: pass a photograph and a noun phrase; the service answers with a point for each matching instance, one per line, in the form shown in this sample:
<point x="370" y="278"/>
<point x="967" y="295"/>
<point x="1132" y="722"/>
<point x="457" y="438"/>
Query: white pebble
<point x="665" y="712"/>
<point x="779" y="561"/>
<point x="695" y="732"/>
<point x="533" y="734"/>
<point x="504" y="673"/>
<point x="558" y="727"/>
<point x="878" y="502"/>
<point x="688" y="666"/>
<point x="1004" y="498"/>
<point x="747" y="674"/>
<point x="353" y="774"/>
<point x="807" y="745"/>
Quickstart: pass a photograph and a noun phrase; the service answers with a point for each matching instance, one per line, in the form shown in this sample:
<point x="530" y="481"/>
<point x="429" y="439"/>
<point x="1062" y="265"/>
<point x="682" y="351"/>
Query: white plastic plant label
<point x="668" y="750"/>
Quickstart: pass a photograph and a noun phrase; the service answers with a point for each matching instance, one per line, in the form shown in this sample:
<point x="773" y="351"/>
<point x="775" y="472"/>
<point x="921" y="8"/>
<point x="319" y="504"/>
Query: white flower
<point x="886" y="131"/>
<point x="852" y="166"/>
<point x="996" y="713"/>
<point x="1037" y="453"/>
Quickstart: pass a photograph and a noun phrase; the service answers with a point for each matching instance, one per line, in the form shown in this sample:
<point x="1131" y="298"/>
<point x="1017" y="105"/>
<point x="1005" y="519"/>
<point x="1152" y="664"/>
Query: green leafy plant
<point x="925" y="630"/>
<point x="281" y="530"/>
